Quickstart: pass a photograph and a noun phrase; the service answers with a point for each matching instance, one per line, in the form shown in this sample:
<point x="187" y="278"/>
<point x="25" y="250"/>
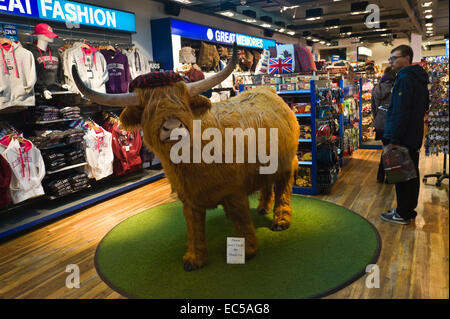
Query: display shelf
<point x="55" y="121"/>
<point x="34" y="212"/>
<point x="66" y="168"/>
<point x="304" y="190"/>
<point x="73" y="192"/>
<point x="372" y="143"/>
<point x="294" y="92"/>
<point x="58" y="146"/>
<point x="303" y="115"/>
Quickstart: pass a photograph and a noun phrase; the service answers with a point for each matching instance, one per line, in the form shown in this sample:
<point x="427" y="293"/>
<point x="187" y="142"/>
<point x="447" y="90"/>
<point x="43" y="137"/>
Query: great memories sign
<point x="70" y="11"/>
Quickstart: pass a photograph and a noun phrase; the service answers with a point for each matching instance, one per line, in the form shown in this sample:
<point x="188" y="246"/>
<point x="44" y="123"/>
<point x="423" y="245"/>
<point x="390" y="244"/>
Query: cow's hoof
<point x="262" y="212"/>
<point x="189" y="263"/>
<point x="279" y="226"/>
<point x="189" y="266"/>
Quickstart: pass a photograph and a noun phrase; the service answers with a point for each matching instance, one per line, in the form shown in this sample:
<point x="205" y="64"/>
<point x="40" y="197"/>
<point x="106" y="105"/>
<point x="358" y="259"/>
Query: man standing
<point x="405" y="126"/>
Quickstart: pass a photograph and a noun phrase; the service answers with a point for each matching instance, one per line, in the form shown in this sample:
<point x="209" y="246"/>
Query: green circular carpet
<point x="326" y="248"/>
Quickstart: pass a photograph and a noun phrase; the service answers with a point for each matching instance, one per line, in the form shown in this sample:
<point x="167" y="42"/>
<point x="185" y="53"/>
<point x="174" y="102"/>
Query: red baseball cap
<point x="44" y="29"/>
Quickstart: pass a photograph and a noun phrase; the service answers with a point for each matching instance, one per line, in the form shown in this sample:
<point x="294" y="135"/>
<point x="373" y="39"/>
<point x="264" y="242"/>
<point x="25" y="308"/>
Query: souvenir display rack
<point x="315" y="103"/>
<point x="367" y="125"/>
<point x="437" y="137"/>
<point x="350" y="120"/>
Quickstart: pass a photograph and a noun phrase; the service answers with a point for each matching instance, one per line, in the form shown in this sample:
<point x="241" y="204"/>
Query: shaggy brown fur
<point x="205" y="186"/>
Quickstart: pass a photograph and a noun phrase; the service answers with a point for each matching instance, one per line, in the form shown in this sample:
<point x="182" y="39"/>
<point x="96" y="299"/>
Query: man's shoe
<point x="392" y="217"/>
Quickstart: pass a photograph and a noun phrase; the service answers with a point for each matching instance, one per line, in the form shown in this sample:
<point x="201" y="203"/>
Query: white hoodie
<point x="99" y="153"/>
<point x="92" y="68"/>
<point x="17" y="76"/>
<point x="139" y="63"/>
<point x="28" y="169"/>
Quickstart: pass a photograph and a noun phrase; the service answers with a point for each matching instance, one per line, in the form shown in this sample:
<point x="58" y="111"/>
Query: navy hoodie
<point x="409" y="102"/>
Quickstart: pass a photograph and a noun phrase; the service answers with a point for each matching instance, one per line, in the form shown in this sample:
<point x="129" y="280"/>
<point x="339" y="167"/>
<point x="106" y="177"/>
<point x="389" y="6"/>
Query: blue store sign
<point x="200" y="32"/>
<point x="9" y="31"/>
<point x="70" y="11"/>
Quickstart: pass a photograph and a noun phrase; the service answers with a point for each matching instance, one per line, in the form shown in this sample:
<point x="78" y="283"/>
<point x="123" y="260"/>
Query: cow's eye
<point x="165" y="129"/>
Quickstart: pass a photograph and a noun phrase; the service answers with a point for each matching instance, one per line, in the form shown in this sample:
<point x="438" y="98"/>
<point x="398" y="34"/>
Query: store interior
<point x="75" y="185"/>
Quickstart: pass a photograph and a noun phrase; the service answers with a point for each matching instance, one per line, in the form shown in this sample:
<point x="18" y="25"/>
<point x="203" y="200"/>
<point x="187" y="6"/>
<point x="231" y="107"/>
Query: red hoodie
<point x="5" y="179"/>
<point x="126" y="147"/>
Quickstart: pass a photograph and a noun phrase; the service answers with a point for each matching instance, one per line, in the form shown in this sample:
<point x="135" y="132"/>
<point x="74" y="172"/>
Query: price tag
<point x="235" y="250"/>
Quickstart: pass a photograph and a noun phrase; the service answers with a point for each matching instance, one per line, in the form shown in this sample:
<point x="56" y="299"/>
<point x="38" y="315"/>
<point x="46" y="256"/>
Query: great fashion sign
<point x="70" y="11"/>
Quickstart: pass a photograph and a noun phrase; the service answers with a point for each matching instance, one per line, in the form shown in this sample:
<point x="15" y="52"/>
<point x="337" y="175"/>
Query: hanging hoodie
<point x="27" y="167"/>
<point x="118" y="71"/>
<point x="126" y="147"/>
<point x="139" y="64"/>
<point x="5" y="179"/>
<point x="99" y="153"/>
<point x="91" y="67"/>
<point x="17" y="76"/>
<point x="49" y="69"/>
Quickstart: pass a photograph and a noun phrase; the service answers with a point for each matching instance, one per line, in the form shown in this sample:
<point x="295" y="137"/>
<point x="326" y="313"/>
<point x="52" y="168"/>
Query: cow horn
<point x="204" y="85"/>
<point x="120" y="100"/>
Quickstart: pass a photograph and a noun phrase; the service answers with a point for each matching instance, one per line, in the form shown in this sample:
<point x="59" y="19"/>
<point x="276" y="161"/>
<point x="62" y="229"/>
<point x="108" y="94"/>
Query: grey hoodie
<point x="17" y="76"/>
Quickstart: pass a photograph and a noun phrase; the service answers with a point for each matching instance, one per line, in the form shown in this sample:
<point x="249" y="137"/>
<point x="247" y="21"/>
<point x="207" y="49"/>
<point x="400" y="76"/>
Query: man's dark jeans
<point x="408" y="192"/>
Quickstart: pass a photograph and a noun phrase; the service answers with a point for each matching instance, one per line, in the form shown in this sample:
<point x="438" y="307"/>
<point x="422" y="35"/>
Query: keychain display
<point x="437" y="138"/>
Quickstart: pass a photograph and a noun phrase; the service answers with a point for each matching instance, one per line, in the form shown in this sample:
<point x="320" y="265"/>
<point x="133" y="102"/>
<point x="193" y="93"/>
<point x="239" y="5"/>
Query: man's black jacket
<point x="409" y="102"/>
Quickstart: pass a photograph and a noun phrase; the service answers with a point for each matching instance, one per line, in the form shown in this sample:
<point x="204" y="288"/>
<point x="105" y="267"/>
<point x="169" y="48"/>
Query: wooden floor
<point x="413" y="261"/>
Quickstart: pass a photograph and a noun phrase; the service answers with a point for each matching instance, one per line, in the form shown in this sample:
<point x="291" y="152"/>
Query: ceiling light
<point x="328" y="43"/>
<point x="358" y="7"/>
<point x="322" y="42"/>
<point x="429" y="16"/>
<point x="265" y="25"/>
<point x="315" y="40"/>
<point x="309" y="37"/>
<point x="427" y="4"/>
<point x="313" y="14"/>
<point x="288" y="8"/>
<point x="428" y="24"/>
<point x="344" y="30"/>
<point x="249" y="20"/>
<point x="381" y="30"/>
<point x="184" y="1"/>
<point x="227" y="14"/>
<point x="291" y="33"/>
<point x="281" y="30"/>
<point x="348" y="33"/>
<point x="428" y="11"/>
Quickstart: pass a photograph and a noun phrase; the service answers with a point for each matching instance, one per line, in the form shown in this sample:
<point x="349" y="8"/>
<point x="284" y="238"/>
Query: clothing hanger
<point x="84" y="45"/>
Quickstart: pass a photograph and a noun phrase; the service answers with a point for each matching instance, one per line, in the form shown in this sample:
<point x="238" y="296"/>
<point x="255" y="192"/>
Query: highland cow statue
<point x="161" y="103"/>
